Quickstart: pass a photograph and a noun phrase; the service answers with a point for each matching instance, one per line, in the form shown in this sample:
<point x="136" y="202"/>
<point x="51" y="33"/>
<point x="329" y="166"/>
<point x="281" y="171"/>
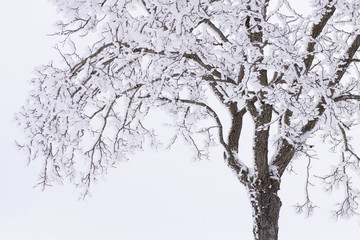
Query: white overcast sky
<point x="156" y="196"/>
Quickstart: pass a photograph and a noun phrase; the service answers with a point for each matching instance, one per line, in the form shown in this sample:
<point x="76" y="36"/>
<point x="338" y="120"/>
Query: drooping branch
<point x="347" y="146"/>
<point x="350" y="203"/>
<point x="214" y="74"/>
<point x="233" y="161"/>
<point x="308" y="205"/>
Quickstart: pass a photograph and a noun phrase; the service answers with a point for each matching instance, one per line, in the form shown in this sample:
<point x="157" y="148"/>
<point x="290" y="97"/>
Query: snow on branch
<point x="207" y="64"/>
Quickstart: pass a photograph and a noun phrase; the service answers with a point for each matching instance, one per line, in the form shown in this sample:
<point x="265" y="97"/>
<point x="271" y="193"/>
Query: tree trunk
<point x="266" y="208"/>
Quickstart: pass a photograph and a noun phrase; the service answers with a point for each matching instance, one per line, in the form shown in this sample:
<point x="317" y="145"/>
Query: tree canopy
<point x="200" y="61"/>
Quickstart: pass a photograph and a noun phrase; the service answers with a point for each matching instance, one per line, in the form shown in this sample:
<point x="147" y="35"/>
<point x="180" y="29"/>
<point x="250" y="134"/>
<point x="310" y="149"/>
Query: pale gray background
<point x="156" y="196"/>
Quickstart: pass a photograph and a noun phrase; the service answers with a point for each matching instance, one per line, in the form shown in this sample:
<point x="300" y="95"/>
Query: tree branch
<point x="240" y="168"/>
<point x="315" y="32"/>
<point x="347" y="97"/>
<point x="348" y="59"/>
<point x="216" y="29"/>
<point x="236" y="126"/>
<point x="283" y="155"/>
<point x="77" y="67"/>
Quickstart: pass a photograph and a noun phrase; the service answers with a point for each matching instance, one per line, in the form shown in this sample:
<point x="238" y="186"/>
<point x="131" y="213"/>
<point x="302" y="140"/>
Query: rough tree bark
<point x="266" y="209"/>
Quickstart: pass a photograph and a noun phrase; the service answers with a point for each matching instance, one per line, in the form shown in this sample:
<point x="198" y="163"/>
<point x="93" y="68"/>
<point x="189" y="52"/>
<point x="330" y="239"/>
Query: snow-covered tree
<point x="202" y="62"/>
